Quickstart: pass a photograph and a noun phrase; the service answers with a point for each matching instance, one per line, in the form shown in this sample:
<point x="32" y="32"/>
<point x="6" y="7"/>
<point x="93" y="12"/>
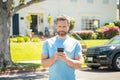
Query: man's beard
<point x="62" y="33"/>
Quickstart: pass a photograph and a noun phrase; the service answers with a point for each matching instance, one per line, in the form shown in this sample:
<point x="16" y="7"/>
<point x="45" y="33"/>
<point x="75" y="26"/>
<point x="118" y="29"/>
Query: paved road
<point x="100" y="74"/>
<point x="85" y="74"/>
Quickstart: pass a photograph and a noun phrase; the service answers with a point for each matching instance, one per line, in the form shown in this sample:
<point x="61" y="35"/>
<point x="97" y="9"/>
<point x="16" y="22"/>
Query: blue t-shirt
<point x="61" y="70"/>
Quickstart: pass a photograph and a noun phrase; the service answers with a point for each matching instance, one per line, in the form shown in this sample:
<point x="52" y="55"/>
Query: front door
<point x="33" y="25"/>
<point x="15" y="22"/>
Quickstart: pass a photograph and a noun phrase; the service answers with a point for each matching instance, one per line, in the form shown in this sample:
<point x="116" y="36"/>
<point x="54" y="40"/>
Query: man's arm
<point x="47" y="62"/>
<point x="76" y="63"/>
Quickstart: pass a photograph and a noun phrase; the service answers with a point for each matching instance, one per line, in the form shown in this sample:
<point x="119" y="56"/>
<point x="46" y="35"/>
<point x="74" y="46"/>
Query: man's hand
<point x="61" y="55"/>
<point x="75" y="63"/>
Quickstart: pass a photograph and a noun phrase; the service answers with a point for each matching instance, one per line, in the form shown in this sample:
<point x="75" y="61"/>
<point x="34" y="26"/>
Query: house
<point x="88" y="14"/>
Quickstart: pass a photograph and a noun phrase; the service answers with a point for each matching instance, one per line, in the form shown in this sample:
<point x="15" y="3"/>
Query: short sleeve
<point x="45" y="48"/>
<point x="78" y="49"/>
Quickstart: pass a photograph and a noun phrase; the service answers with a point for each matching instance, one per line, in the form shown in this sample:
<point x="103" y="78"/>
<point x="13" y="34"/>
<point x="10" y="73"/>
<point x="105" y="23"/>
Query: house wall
<point x="74" y="8"/>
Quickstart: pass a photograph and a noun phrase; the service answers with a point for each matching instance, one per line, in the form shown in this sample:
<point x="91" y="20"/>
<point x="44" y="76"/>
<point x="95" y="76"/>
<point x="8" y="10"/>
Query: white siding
<point x="76" y="9"/>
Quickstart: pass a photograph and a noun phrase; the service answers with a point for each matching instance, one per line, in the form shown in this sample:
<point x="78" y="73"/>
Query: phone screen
<point x="60" y="49"/>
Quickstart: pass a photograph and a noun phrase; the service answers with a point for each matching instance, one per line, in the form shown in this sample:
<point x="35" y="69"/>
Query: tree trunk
<point x="5" y="58"/>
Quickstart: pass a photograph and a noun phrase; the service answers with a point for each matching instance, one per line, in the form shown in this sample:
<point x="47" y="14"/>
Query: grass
<point x="32" y="51"/>
<point x="26" y="51"/>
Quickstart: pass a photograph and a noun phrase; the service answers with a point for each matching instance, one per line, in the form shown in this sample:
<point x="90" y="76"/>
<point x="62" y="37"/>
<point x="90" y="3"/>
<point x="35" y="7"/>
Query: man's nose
<point x="62" y="28"/>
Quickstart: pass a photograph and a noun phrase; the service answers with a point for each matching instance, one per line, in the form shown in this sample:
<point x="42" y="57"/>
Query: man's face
<point x="62" y="28"/>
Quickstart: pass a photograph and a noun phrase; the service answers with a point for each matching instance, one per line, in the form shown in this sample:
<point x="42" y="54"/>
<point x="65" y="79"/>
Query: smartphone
<point x="60" y="49"/>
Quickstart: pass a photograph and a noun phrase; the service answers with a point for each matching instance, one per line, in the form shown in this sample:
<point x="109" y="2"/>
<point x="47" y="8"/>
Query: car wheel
<point x="116" y="62"/>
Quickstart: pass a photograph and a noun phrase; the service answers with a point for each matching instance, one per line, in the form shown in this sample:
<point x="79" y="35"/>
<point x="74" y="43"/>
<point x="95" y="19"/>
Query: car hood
<point x="100" y="46"/>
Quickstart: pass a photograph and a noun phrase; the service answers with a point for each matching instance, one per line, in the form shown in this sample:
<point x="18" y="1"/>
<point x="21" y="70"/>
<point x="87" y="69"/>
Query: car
<point x="107" y="54"/>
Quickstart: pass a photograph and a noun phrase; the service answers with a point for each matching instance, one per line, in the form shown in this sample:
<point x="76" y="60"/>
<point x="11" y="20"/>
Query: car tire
<point x="116" y="63"/>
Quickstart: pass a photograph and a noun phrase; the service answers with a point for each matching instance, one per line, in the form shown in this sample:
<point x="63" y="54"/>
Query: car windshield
<point x="114" y="40"/>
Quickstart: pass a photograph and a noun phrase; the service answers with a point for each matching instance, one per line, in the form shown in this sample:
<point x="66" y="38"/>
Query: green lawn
<point x="32" y="50"/>
<point x="26" y="51"/>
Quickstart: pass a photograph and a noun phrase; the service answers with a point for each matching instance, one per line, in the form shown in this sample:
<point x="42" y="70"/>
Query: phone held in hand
<point x="60" y="49"/>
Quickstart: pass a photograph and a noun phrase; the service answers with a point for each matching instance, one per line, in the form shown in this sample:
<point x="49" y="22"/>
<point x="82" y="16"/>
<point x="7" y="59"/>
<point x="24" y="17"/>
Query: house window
<point x="90" y="1"/>
<point x="105" y="1"/>
<point x="90" y="23"/>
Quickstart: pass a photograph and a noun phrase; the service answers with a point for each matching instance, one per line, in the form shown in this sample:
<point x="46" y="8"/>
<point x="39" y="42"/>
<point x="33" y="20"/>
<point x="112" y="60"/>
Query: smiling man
<point x="62" y="63"/>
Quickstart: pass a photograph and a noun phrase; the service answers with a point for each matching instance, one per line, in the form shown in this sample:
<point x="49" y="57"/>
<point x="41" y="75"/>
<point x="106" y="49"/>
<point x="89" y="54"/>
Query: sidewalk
<point x="39" y="74"/>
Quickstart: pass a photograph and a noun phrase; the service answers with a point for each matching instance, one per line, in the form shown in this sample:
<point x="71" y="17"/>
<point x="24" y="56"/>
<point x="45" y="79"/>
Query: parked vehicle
<point x="105" y="55"/>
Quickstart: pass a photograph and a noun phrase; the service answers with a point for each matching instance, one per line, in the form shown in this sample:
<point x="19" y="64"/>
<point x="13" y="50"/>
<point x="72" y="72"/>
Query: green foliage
<point x="106" y="24"/>
<point x="117" y="23"/>
<point x="22" y="66"/>
<point x="20" y="39"/>
<point x="26" y="66"/>
<point x="21" y="2"/>
<point x="49" y="18"/>
<point x="87" y="34"/>
<point x="35" y="1"/>
<point x="35" y="39"/>
<point x="72" y="23"/>
<point x="13" y="39"/>
<point x="26" y="38"/>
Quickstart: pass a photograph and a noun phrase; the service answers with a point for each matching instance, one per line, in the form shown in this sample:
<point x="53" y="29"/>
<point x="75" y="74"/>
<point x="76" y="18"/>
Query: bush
<point x="26" y="38"/>
<point x="107" y="31"/>
<point x="35" y="39"/>
<point x="111" y="32"/>
<point x="86" y="34"/>
<point x="72" y="23"/>
<point x="20" y="39"/>
<point x="13" y="39"/>
<point x="117" y="23"/>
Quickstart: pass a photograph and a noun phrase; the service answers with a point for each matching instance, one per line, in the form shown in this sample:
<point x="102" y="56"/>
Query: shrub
<point x="107" y="31"/>
<point x="111" y="32"/>
<point x="72" y="23"/>
<point x="20" y="39"/>
<point x="13" y="40"/>
<point x="117" y="23"/>
<point x="86" y="34"/>
<point x="26" y="38"/>
<point x="35" y="39"/>
<point x="99" y="33"/>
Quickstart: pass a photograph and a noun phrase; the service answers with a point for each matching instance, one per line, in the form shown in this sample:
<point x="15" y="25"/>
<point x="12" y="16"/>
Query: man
<point x="62" y="65"/>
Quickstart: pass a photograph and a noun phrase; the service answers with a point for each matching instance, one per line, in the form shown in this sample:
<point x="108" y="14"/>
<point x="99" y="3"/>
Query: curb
<point x="21" y="71"/>
<point x="28" y="71"/>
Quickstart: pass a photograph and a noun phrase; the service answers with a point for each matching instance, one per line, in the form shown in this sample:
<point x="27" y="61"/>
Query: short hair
<point x="63" y="18"/>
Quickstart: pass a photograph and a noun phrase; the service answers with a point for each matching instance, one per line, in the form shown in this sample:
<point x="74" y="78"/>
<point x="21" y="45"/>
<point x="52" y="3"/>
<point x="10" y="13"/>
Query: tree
<point x="7" y="9"/>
